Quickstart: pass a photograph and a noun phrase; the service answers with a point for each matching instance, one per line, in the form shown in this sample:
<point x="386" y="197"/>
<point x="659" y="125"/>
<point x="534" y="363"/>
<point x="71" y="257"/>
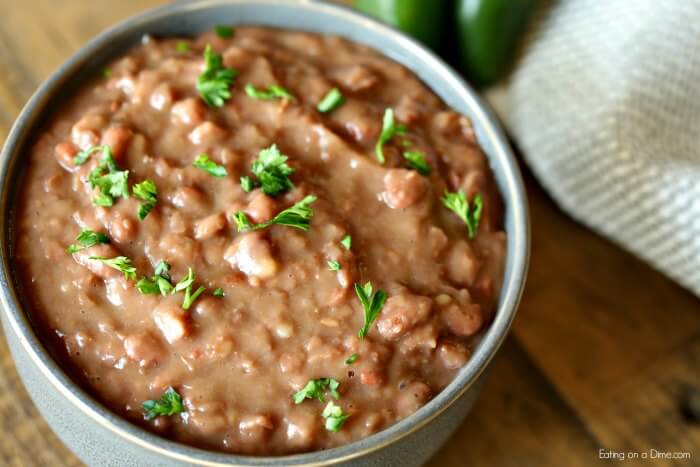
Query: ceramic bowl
<point x="100" y="437"/>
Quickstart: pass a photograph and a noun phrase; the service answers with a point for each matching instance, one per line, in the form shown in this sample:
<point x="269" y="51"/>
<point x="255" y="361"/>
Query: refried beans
<point x="259" y="241"/>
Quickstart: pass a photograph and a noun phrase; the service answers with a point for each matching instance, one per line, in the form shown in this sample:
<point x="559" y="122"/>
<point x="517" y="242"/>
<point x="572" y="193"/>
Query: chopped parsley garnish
<point x="111" y="186"/>
<point x="186" y="284"/>
<point x="120" y="263"/>
<point x="147" y="286"/>
<point x="243" y="223"/>
<point x="218" y="292"/>
<point x="169" y="404"/>
<point x="389" y="129"/>
<point x="164" y="285"/>
<point x="333" y="265"/>
<point x="182" y="47"/>
<point x="351" y="359"/>
<point x="161" y="283"/>
<point x="372" y="304"/>
<point x="147" y="192"/>
<point x="214" y="84"/>
<point x="153" y="285"/>
<point x="316" y="388"/>
<point x="330" y="101"/>
<point x="109" y="180"/>
<point x="87" y="238"/>
<point x="190" y="297"/>
<point x="212" y="168"/>
<point x="224" y="31"/>
<point x="83" y="156"/>
<point x="163" y="269"/>
<point x="335" y="418"/>
<point x="416" y="160"/>
<point x="457" y="203"/>
<point x="271" y="171"/>
<point x="298" y="216"/>
<point x="273" y="91"/>
<point x="247" y="184"/>
<point x="346" y="241"/>
<point x="158" y="282"/>
<point x="107" y="72"/>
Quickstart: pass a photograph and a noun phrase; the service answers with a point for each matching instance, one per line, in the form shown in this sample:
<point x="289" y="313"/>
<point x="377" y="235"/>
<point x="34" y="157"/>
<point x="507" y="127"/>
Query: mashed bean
<point x="259" y="314"/>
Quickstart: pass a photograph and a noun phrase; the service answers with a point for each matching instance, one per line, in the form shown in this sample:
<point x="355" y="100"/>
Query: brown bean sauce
<point x="285" y="316"/>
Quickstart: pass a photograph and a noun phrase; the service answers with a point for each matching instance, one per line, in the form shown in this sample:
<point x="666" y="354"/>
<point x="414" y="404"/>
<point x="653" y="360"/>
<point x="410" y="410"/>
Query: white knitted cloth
<point x="605" y="105"/>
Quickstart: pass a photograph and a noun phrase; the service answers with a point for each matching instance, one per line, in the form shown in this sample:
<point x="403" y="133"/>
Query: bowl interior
<point x="189" y="18"/>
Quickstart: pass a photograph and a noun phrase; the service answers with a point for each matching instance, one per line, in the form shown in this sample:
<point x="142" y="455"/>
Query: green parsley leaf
<point x="218" y="292"/>
<point x="242" y="222"/>
<point x="169" y="404"/>
<point x="331" y="101"/>
<point x="120" y="263"/>
<point x="182" y="47"/>
<point x="107" y="161"/>
<point x="313" y="390"/>
<point x="145" y="208"/>
<point x="298" y="216"/>
<point x="347" y="242"/>
<point x="115" y="183"/>
<point x="316" y="388"/>
<point x="214" y="84"/>
<point x="273" y="91"/>
<point x="247" y="184"/>
<point x="190" y="297"/>
<point x="164" y="285"/>
<point x="158" y="283"/>
<point x="372" y="304"/>
<point x="333" y="386"/>
<point x="224" y="31"/>
<point x="147" y="286"/>
<point x="335" y="418"/>
<point x="333" y="265"/>
<point x="163" y="269"/>
<point x="389" y="129"/>
<point x="272" y="171"/>
<point x="111" y="186"/>
<point x="109" y="180"/>
<point x="83" y="156"/>
<point x="351" y="359"/>
<point x="146" y="191"/>
<point x="87" y="238"/>
<point x="186" y="281"/>
<point x="457" y="203"/>
<point x="212" y="168"/>
<point x="102" y="199"/>
<point x="107" y="72"/>
<point x="186" y="284"/>
<point x="416" y="161"/>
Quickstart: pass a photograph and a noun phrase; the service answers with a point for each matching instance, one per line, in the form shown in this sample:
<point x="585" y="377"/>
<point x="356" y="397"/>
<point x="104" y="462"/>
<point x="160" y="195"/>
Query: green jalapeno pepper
<point x="488" y="31"/>
<point x="421" y="19"/>
<point x="479" y="36"/>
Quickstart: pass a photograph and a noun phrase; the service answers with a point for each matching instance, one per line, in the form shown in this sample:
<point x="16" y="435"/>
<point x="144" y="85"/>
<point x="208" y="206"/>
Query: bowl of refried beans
<point x="257" y="233"/>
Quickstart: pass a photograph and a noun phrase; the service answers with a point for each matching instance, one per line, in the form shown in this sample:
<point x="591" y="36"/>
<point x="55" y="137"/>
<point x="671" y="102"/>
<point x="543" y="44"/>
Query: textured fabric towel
<point x="605" y="106"/>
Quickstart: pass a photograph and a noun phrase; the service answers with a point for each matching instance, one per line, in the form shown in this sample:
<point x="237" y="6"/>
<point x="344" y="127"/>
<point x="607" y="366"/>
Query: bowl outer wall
<point x="51" y="388"/>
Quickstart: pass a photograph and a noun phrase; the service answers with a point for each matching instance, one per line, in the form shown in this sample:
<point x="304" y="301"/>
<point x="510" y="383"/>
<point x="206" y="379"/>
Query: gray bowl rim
<point x="500" y="158"/>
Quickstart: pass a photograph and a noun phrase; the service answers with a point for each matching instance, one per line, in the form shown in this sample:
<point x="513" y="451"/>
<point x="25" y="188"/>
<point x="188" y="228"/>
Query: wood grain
<point x="600" y="354"/>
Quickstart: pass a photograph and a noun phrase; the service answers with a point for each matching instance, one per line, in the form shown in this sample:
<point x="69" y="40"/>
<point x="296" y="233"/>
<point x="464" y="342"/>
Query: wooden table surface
<point x="601" y="352"/>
